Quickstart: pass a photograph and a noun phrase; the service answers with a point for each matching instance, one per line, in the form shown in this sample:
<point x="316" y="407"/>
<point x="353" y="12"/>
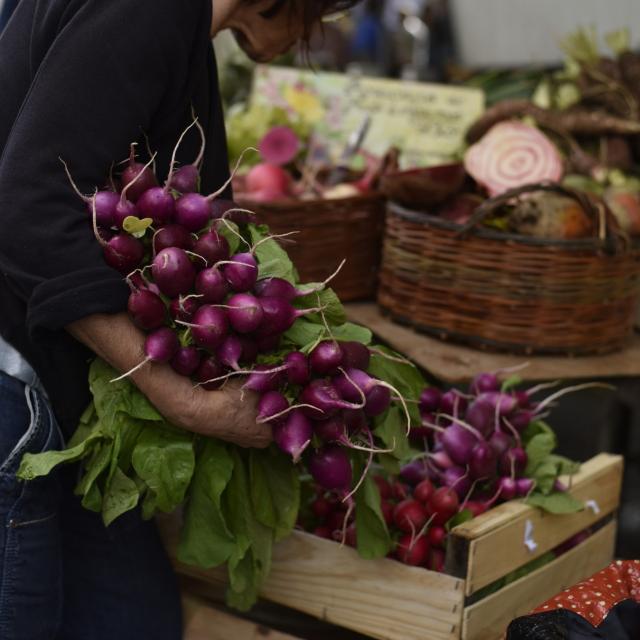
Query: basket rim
<point x="430" y="220"/>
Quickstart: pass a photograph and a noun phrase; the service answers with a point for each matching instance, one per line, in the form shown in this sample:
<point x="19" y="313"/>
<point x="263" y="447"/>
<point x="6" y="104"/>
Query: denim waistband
<point x="13" y="364"/>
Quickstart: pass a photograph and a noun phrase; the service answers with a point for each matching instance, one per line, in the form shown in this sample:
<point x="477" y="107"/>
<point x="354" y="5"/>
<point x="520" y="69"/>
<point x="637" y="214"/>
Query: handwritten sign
<point x="426" y="121"/>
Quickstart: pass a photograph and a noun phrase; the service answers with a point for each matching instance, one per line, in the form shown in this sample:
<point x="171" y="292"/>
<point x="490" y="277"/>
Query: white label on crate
<point x="529" y="542"/>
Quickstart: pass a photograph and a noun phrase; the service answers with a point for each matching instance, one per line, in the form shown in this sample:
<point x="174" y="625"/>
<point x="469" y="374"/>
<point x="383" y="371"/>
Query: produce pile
<point x="220" y="300"/>
<point x="581" y="130"/>
<point x="474" y="449"/>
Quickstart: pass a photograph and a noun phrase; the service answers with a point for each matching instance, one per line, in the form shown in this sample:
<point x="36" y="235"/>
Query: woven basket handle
<point x="605" y="222"/>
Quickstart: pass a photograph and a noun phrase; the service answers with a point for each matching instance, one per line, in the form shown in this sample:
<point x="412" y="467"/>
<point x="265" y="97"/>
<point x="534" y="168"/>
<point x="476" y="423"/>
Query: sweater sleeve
<point x="95" y="89"/>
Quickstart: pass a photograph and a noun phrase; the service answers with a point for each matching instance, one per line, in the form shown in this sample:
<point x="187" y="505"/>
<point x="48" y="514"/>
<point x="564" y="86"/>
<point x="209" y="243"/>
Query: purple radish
<point x="210" y="327"/>
<point x="452" y="404"/>
<point x="263" y="379"/>
<point x="242" y="273"/>
<point x="503" y="403"/>
<point x="193" y="211"/>
<point x="265" y="344"/>
<point x="331" y="468"/>
<point x="322" y="395"/>
<point x="159" y="346"/>
<point x="183" y="309"/>
<point x="293" y="435"/>
<point x="483" y="462"/>
<point x="276" y="288"/>
<point x="521" y="420"/>
<point x="137" y="178"/>
<point x="210" y="369"/>
<point x="123" y="253"/>
<point x="244" y="312"/>
<point x="212" y="247"/>
<point x="173" y="235"/>
<point x="481" y="416"/>
<point x="146" y="309"/>
<point x="430" y="400"/>
<point x="355" y="420"/>
<point x="441" y="459"/>
<point x="457" y="479"/>
<point x="230" y="352"/>
<point x="158" y="204"/>
<point x="297" y="368"/>
<point x="513" y="462"/>
<point x="332" y="430"/>
<point x="106" y="203"/>
<point x="173" y="272"/>
<point x="249" y="349"/>
<point x="414" y="472"/>
<point x="485" y="382"/>
<point x="186" y="179"/>
<point x="220" y="208"/>
<point x="458" y="442"/>
<point x="272" y="403"/>
<point x="124" y="209"/>
<point x="186" y="361"/>
<point x="501" y="442"/>
<point x="212" y="286"/>
<point x="507" y="488"/>
<point x="279" y="316"/>
<point x="326" y="358"/>
<point x="524" y="486"/>
<point x="377" y="401"/>
<point x="355" y="355"/>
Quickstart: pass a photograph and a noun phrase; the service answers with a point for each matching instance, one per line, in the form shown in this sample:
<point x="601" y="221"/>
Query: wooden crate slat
<point x="504" y="527"/>
<point x="204" y="622"/>
<point x="489" y="618"/>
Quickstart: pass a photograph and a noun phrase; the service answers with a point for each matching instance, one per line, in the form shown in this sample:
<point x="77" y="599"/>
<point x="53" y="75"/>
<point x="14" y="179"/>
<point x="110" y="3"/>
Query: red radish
<point x="336" y="520"/>
<point x="137" y="178"/>
<point x="293" y="435"/>
<point x="213" y="247"/>
<point x="331" y="468"/>
<point x="412" y="550"/>
<point x="384" y="488"/>
<point x="123" y="253"/>
<point x="400" y="491"/>
<point x="173" y="272"/>
<point x="242" y="273"/>
<point x="423" y="491"/>
<point x="321" y="507"/>
<point x="209" y="369"/>
<point x="476" y="508"/>
<point x="297" y="368"/>
<point x="325" y="358"/>
<point x="186" y="360"/>
<point x="244" y="312"/>
<point x="230" y="352"/>
<point x="172" y="235"/>
<point x="355" y="355"/>
<point x="279" y="146"/>
<point x="210" y="327"/>
<point x="146" y="309"/>
<point x="271" y="404"/>
<point x="436" y="560"/>
<point x="323" y="531"/>
<point x="443" y="505"/>
<point x="268" y="177"/>
<point x="351" y="538"/>
<point x="437" y="536"/>
<point x="511" y="155"/>
<point x="212" y="286"/>
<point x="387" y="512"/>
<point x="410" y="516"/>
<point x="183" y="309"/>
<point x="458" y="479"/>
<point x="430" y="400"/>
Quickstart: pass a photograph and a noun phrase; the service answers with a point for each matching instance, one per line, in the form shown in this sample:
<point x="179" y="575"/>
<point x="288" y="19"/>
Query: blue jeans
<point x="63" y="574"/>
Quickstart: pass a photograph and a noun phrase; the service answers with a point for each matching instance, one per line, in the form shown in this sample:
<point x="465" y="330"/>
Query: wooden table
<point x="454" y="364"/>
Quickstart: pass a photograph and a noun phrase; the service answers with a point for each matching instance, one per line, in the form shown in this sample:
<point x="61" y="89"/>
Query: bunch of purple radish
<point x="210" y="315"/>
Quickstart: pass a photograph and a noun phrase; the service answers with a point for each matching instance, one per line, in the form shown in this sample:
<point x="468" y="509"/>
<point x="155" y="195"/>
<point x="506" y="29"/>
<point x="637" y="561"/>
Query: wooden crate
<point x="387" y="600"/>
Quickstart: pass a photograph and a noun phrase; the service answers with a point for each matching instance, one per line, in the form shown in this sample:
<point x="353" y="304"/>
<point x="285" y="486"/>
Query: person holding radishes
<point x="82" y="79"/>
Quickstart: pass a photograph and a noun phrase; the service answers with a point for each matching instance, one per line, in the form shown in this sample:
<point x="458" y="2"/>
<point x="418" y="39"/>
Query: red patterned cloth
<point x="596" y="596"/>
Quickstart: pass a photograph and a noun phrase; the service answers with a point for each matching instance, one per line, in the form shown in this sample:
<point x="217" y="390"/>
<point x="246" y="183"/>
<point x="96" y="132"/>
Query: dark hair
<point x="315" y="10"/>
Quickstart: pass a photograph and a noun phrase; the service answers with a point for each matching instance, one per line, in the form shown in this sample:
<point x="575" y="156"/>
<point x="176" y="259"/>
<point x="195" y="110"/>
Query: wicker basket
<point x="508" y="292"/>
<point x="330" y="231"/>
